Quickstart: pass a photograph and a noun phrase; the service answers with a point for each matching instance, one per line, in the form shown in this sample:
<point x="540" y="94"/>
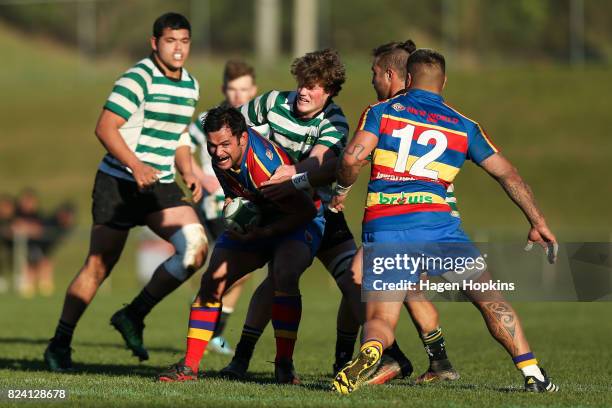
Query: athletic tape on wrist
<point x="300" y="181"/>
<point x="341" y="190"/>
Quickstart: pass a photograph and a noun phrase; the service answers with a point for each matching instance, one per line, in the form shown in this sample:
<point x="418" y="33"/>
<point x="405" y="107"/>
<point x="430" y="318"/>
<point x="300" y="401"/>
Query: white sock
<point x="534" y="371"/>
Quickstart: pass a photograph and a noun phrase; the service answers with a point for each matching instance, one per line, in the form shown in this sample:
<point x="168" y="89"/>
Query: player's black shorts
<point x="118" y="204"/>
<point x="336" y="230"/>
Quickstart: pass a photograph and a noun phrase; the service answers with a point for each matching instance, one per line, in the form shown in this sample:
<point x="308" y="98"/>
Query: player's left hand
<point x="284" y="172"/>
<point x="541" y="235"/>
<point x="277" y="189"/>
<point x="337" y="203"/>
<point x="194" y="184"/>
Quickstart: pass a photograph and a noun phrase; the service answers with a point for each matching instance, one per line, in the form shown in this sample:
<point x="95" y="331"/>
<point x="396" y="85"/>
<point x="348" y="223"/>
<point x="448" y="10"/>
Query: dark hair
<point x="425" y="56"/>
<point x="236" y="69"/>
<point x="320" y="67"/>
<point x="394" y="55"/>
<point x="222" y="116"/>
<point x="174" y="21"/>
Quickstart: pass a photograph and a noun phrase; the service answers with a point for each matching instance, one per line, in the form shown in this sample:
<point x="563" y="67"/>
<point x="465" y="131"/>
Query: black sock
<point x="436" y="349"/>
<point x="63" y="334"/>
<point x="345" y="345"/>
<point x="141" y="305"/>
<point x="398" y="355"/>
<point x="221" y="323"/>
<point x="246" y="345"/>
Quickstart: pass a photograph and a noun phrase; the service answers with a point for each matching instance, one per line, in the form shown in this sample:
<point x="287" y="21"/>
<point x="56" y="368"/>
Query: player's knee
<point x="191" y="247"/>
<point x="98" y="266"/>
<point x="340" y="267"/>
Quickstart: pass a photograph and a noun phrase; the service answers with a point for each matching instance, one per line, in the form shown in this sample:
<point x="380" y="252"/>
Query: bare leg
<point x="104" y="251"/>
<point x="501" y="319"/>
<point x="165" y="223"/>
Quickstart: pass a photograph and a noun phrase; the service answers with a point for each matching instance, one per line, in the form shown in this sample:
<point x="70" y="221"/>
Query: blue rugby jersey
<point x="422" y="144"/>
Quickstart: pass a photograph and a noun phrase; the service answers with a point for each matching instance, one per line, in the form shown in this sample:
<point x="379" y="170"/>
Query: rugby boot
<point x="357" y="372"/>
<point x="389" y="369"/>
<point x="532" y="384"/>
<point x="131" y="331"/>
<point x="219" y="345"/>
<point x="438" y="371"/>
<point x="178" y="372"/>
<point x="284" y="372"/>
<point x="58" y="359"/>
<point x="235" y="370"/>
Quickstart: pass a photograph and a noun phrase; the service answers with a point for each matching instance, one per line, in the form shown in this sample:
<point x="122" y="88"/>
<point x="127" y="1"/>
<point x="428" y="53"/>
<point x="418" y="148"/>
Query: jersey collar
<point x="421" y="93"/>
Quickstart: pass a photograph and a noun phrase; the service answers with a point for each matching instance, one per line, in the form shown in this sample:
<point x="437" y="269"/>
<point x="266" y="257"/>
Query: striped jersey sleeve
<point x="256" y="111"/>
<point x="129" y="91"/>
<point x="196" y="132"/>
<point x="333" y="131"/>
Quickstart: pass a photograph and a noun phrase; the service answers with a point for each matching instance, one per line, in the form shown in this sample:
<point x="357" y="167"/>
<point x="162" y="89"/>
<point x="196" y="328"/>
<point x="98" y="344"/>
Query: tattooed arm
<point x="353" y="159"/>
<point x="506" y="174"/>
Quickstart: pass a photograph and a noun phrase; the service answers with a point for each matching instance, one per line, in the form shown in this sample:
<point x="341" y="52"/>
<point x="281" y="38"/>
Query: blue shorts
<point x="440" y="249"/>
<point x="310" y="234"/>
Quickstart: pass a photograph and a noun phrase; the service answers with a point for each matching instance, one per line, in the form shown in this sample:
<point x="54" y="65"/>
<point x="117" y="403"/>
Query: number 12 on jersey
<point x="419" y="167"/>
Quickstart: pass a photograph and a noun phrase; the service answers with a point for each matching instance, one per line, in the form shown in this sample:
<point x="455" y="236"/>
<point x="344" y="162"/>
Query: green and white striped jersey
<point x="297" y="136"/>
<point x="158" y="110"/>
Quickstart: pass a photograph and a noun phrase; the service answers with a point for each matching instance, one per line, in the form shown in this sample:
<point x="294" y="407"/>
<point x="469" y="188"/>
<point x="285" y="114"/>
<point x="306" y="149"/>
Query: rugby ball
<point x="241" y="214"/>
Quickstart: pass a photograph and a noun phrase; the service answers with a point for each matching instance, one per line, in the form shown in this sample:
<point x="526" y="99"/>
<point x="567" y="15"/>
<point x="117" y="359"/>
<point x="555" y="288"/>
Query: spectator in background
<point x="7" y="214"/>
<point x="29" y="225"/>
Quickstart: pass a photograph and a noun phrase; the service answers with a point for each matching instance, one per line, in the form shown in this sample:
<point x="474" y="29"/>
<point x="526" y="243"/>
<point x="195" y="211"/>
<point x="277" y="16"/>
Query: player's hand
<point x="337" y="203"/>
<point x="194" y="184"/>
<point x="284" y="172"/>
<point x="145" y="175"/>
<point x="278" y="189"/>
<point x="541" y="235"/>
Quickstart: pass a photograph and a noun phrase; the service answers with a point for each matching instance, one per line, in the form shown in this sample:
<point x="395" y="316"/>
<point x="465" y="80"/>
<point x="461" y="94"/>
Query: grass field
<point x="572" y="343"/>
<point x="551" y="121"/>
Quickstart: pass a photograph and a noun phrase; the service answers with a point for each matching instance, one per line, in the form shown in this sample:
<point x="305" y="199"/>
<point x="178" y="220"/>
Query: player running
<point x="238" y="88"/>
<point x="313" y="130"/>
<point x="140" y="126"/>
<point x="289" y="238"/>
<point x="413" y="157"/>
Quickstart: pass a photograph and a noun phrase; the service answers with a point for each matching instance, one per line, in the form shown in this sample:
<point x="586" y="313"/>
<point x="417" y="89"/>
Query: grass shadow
<point x="118" y="345"/>
<point x="32" y="365"/>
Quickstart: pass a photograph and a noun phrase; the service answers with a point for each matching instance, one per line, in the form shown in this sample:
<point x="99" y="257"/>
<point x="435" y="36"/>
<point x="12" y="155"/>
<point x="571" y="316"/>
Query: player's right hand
<point x="541" y="235"/>
<point x="337" y="203"/>
<point x="145" y="175"/>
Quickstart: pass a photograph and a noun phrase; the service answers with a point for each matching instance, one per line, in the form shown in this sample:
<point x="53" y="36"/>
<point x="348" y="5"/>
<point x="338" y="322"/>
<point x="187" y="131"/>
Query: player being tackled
<point x="289" y="237"/>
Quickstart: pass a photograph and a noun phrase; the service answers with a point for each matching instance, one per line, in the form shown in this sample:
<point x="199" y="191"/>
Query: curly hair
<point x="320" y="68"/>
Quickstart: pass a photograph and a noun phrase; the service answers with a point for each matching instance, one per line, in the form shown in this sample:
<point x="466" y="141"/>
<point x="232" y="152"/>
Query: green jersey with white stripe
<point x="157" y="110"/>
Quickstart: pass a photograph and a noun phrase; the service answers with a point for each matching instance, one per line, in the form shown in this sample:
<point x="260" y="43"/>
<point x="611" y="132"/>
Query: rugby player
<point x="389" y="73"/>
<point x="289" y="238"/>
<point x="143" y="128"/>
<point x="238" y="88"/>
<point x="313" y="130"/>
<point x="420" y="138"/>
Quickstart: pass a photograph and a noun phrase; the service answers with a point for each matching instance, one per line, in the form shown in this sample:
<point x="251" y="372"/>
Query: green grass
<point x="570" y="339"/>
<point x="552" y="122"/>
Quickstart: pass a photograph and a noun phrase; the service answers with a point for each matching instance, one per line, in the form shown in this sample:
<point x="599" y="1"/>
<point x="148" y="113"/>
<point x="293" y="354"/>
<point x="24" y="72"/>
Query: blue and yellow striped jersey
<point x="422" y="144"/>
